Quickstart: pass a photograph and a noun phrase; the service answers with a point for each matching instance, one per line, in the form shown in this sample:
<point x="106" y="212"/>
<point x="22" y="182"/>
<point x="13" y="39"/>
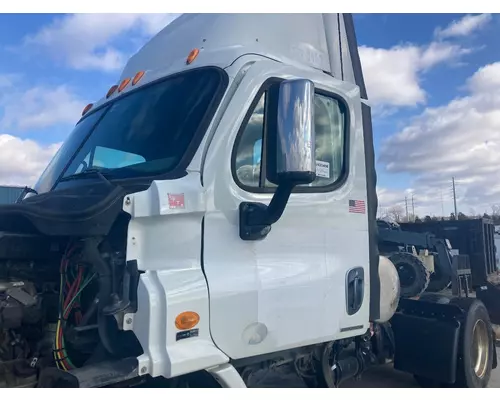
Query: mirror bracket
<point x="250" y="216"/>
<point x="256" y="219"/>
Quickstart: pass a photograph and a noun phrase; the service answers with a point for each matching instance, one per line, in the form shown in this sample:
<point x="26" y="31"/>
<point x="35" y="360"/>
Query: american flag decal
<point x="357" y="206"/>
<point x="175" y="200"/>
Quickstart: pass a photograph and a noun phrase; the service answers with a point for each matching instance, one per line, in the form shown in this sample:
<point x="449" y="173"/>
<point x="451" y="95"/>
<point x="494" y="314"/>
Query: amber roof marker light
<point x="87" y="108"/>
<point x="123" y="85"/>
<point x="192" y="56"/>
<point x="111" y="90"/>
<point x="137" y="78"/>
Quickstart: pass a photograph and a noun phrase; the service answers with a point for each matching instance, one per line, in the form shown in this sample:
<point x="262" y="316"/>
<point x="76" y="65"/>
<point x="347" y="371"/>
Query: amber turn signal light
<point x="187" y="320"/>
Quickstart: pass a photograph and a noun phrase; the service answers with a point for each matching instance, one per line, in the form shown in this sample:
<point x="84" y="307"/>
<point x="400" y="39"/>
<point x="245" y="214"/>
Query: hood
<point x="86" y="210"/>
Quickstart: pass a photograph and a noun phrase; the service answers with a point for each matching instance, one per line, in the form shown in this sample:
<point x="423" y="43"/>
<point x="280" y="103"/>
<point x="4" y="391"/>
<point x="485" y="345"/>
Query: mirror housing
<point x="295" y="135"/>
<point x="290" y="157"/>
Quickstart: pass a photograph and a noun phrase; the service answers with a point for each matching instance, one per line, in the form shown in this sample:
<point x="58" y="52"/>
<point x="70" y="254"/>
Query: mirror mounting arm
<point x="256" y="219"/>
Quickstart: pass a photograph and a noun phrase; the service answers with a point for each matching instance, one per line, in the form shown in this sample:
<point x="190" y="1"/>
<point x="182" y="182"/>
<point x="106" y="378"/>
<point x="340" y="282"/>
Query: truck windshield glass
<point x="146" y="133"/>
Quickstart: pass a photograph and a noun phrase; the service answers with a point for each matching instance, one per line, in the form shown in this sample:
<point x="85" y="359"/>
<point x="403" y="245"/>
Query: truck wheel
<point x="413" y="275"/>
<point x="476" y="346"/>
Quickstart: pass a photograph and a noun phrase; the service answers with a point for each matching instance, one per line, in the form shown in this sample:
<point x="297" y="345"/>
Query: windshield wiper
<point x="85" y="173"/>
<point x="24" y="192"/>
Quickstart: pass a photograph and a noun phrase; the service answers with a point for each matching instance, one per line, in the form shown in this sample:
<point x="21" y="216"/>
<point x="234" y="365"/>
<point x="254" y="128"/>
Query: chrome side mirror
<point x="295" y="134"/>
<point x="292" y="162"/>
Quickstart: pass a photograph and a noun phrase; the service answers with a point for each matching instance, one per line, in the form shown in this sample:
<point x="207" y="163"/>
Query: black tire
<point x="413" y="275"/>
<point x="438" y="281"/>
<point x="475" y="317"/>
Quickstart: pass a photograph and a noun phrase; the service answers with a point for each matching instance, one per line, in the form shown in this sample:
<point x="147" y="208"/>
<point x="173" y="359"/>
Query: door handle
<point x="354" y="293"/>
<point x="354" y="290"/>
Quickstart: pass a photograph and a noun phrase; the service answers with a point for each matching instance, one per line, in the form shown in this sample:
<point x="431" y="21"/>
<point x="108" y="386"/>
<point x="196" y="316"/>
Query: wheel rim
<point x="480" y="348"/>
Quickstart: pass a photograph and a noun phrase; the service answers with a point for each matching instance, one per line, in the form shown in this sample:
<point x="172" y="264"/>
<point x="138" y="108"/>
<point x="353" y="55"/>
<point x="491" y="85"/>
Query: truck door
<point x="308" y="281"/>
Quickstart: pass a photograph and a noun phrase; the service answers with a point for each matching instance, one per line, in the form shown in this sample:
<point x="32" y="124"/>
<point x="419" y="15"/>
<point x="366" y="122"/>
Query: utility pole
<point x="442" y="203"/>
<point x="406" y="206"/>
<point x="454" y="197"/>
<point x="413" y="208"/>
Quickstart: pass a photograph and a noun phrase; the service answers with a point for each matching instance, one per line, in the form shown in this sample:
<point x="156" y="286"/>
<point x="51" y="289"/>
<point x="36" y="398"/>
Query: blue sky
<point x="442" y="83"/>
<point x="430" y="78"/>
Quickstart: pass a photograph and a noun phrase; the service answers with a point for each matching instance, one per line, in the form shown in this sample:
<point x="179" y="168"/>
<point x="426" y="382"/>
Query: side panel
<point x="289" y="289"/>
<point x="165" y="238"/>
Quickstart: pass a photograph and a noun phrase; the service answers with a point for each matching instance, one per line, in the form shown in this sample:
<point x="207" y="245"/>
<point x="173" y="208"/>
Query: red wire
<point x="74" y="288"/>
<point x="70" y="292"/>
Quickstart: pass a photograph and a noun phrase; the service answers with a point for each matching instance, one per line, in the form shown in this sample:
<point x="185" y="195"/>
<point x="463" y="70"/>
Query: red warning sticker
<point x="175" y="201"/>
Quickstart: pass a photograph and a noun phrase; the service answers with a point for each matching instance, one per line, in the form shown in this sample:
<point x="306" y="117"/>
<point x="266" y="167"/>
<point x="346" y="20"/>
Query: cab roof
<point x="325" y="42"/>
<point x="321" y="41"/>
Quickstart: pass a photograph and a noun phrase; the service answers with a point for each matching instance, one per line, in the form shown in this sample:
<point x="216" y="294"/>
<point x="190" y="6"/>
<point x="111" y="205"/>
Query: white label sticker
<point x="323" y="169"/>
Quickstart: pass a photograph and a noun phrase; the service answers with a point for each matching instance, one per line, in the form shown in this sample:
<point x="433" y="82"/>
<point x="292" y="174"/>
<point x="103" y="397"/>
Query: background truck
<point x="214" y="215"/>
<point x="423" y="260"/>
<point x="471" y="237"/>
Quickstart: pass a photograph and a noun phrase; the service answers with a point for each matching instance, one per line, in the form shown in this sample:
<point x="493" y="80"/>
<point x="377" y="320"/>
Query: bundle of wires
<point x="72" y="284"/>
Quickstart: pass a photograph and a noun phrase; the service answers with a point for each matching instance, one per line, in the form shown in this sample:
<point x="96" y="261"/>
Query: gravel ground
<point x="378" y="377"/>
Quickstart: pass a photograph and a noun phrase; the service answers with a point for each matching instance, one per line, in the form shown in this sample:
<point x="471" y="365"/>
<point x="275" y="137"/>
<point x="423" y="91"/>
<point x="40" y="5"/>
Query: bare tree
<point x="474" y="214"/>
<point x="396" y="213"/>
<point x="495" y="213"/>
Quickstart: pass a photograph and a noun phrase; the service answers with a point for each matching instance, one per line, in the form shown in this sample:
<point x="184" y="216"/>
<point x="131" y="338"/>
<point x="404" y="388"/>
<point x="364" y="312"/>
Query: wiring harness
<point x="74" y="278"/>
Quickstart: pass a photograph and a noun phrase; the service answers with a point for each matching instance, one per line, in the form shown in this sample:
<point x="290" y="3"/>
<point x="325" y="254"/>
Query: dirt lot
<point x="379" y="377"/>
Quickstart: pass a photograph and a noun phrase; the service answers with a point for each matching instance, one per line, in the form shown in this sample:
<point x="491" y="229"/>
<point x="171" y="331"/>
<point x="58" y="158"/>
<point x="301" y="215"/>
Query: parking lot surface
<point x="377" y="377"/>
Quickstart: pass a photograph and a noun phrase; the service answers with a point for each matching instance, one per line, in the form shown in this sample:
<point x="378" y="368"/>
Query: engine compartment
<point x="62" y="303"/>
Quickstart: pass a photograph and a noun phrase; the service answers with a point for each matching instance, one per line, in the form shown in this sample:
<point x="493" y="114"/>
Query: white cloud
<point x="461" y="139"/>
<point x="486" y="78"/>
<point x="391" y="197"/>
<point x="39" y="107"/>
<point x="88" y="41"/>
<point x="23" y="160"/>
<point x="431" y="199"/>
<point x="439" y="52"/>
<point x="464" y="26"/>
<point x="393" y="75"/>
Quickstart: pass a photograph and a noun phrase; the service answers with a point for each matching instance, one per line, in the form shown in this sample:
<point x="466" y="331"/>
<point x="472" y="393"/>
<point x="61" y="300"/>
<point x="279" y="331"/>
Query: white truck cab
<point x="222" y="197"/>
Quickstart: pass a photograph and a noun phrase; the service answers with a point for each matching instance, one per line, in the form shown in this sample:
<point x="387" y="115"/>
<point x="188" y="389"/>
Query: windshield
<point x="147" y="133"/>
